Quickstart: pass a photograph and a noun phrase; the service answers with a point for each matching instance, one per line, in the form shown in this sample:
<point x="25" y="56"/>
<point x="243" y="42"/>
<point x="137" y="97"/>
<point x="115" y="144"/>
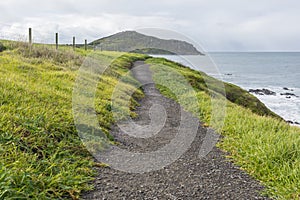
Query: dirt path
<point x="211" y="177"/>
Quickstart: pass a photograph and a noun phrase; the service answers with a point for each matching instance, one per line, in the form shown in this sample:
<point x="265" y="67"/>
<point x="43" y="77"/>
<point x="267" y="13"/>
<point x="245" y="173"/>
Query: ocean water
<point x="273" y="71"/>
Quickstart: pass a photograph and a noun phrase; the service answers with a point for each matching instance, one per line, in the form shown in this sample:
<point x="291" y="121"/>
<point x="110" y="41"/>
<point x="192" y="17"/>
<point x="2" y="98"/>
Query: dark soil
<point x="189" y="177"/>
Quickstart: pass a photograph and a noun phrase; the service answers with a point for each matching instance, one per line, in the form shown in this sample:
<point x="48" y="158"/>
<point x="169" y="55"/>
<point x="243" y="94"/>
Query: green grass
<point x="233" y="93"/>
<point x="41" y="155"/>
<point x="128" y="41"/>
<point x="259" y="142"/>
<point x="153" y="51"/>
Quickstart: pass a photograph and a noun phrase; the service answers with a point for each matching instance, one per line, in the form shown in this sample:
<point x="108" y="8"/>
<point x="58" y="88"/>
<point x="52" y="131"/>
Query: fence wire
<point x="19" y="33"/>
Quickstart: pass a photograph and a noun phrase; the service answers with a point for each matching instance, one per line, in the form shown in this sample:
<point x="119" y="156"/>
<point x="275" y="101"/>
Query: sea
<point x="276" y="71"/>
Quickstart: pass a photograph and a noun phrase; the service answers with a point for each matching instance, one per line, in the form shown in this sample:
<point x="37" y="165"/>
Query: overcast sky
<point x="217" y="25"/>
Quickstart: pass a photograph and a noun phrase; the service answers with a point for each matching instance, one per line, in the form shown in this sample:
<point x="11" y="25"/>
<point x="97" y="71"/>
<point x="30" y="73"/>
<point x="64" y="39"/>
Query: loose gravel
<point x="189" y="177"/>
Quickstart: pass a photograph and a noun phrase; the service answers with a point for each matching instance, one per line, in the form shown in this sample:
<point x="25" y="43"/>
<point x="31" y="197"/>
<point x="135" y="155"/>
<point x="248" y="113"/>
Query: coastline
<point x="244" y="70"/>
<point x="264" y="146"/>
<point x="285" y="94"/>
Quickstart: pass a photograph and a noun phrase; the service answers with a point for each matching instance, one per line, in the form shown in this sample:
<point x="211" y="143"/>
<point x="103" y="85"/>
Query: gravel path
<point x="189" y="177"/>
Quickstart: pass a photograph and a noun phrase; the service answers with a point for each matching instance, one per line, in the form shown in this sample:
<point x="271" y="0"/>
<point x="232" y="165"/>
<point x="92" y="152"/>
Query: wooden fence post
<point x="74" y="45"/>
<point x="30" y="36"/>
<point x="56" y="40"/>
<point x="85" y="44"/>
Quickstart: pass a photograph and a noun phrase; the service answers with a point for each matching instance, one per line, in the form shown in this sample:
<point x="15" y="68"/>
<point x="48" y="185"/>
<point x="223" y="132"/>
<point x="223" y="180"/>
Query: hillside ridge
<point x="132" y="41"/>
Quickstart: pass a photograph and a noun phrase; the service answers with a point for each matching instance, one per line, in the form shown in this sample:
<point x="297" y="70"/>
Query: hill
<point x="132" y="41"/>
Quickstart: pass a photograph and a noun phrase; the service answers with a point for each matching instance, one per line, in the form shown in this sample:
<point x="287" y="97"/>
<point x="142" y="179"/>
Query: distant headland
<point x="132" y="41"/>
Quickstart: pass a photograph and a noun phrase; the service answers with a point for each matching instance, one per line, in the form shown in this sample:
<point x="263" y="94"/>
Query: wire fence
<point x="19" y="33"/>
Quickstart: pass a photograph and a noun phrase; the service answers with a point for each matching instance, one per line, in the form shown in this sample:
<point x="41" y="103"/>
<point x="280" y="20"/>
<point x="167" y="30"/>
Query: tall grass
<point x="41" y="155"/>
<point x="264" y="146"/>
<point x="233" y="93"/>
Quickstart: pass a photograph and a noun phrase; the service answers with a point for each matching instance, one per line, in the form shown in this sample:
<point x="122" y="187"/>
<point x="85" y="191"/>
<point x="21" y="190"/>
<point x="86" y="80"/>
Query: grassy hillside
<point x="41" y="154"/>
<point x="258" y="141"/>
<point x="128" y="41"/>
<point x="233" y="93"/>
<point x="153" y="51"/>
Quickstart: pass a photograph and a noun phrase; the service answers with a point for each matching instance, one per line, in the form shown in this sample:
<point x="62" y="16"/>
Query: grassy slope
<point x="235" y="94"/>
<point x="131" y="40"/>
<point x="41" y="154"/>
<point x="42" y="157"/>
<point x="264" y="146"/>
<point x="152" y="51"/>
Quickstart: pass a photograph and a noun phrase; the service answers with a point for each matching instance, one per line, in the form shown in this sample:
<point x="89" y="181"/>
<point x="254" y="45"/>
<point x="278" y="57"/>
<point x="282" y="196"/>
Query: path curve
<point x="211" y="177"/>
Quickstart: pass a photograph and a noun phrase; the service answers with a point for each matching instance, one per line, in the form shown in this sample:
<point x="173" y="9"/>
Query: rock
<point x="291" y="122"/>
<point x="288" y="94"/>
<point x="262" y="91"/>
<point x="285" y="88"/>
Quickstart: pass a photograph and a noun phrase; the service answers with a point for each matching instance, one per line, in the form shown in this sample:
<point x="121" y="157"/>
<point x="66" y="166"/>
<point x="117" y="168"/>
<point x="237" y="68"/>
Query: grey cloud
<point x="218" y="25"/>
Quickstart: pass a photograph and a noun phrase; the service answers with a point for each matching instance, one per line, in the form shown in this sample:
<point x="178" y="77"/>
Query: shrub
<point x="2" y="47"/>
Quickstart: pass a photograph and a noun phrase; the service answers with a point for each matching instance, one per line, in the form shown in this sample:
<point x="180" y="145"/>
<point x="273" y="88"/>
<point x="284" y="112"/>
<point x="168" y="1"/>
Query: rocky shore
<point x="288" y="94"/>
<point x="264" y="91"/>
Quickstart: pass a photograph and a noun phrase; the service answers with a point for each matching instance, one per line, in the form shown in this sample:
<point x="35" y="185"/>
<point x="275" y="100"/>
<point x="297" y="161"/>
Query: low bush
<point x="2" y="47"/>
